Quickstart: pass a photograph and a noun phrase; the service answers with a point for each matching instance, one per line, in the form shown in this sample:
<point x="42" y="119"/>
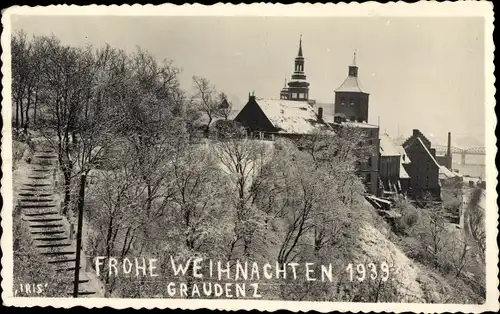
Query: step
<point x="58" y="253"/>
<point x="38" y="177"/>
<point x="45" y="156"/>
<point x="54" y="245"/>
<point x="82" y="293"/>
<point x="45" y="219"/>
<point x="47" y="226"/>
<point x="42" y="170"/>
<point x="61" y="261"/>
<point x="67" y="269"/>
<point x="51" y="239"/>
<point x="35" y="185"/>
<point x="81" y="281"/>
<point x="48" y="232"/>
<point x="37" y="200"/>
<point x="42" y="214"/>
<point x="35" y="194"/>
<point x="37" y="205"/>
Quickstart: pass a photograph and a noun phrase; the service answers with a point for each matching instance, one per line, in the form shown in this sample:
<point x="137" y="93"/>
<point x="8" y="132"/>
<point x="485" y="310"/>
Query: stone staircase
<point x="50" y="230"/>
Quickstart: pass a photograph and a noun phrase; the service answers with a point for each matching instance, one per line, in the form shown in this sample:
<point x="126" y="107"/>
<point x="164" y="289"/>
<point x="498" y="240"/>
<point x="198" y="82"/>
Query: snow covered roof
<point x="292" y="117"/>
<point x="428" y="152"/>
<point x="445" y="173"/>
<point x="360" y="125"/>
<point x="402" y="172"/>
<point x="387" y="147"/>
<point x="404" y="157"/>
<point x="351" y="84"/>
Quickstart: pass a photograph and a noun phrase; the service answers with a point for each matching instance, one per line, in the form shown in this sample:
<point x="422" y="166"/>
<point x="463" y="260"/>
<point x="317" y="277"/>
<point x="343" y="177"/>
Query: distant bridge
<point x="442" y="150"/>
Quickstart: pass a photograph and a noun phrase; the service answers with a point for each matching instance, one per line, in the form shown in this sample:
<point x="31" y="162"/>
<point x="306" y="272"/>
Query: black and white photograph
<point x="211" y="158"/>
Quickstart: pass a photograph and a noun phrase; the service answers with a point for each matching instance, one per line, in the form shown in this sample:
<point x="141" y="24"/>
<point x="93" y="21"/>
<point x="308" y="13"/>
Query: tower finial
<point x="285" y="82"/>
<point x="354" y="58"/>
<point x="300" y="46"/>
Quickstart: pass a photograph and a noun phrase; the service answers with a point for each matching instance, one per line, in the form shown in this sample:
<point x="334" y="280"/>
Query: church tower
<point x="298" y="87"/>
<point x="350" y="98"/>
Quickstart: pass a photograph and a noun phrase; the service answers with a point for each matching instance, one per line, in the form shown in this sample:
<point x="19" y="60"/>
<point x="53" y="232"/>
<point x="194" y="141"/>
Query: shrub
<point x="409" y="217"/>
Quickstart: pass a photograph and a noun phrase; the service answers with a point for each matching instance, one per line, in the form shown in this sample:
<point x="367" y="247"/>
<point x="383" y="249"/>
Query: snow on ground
<point x="376" y="248"/>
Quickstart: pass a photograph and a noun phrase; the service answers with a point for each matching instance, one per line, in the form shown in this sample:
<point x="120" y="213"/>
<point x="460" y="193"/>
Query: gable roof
<point x="445" y="173"/>
<point x="419" y="140"/>
<point x="291" y="117"/>
<point x="402" y="172"/>
<point x="404" y="157"/>
<point x="351" y="84"/>
<point x="387" y="147"/>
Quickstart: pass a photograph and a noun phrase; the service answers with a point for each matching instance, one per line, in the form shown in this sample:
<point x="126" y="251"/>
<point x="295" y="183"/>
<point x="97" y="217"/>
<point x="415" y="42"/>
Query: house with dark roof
<point x="423" y="169"/>
<point x="279" y="117"/>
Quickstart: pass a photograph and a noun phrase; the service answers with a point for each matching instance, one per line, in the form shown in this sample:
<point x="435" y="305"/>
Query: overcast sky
<point x="425" y="73"/>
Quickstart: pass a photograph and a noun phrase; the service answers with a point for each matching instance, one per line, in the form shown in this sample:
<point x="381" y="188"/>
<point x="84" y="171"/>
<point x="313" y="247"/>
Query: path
<point x="50" y="230"/>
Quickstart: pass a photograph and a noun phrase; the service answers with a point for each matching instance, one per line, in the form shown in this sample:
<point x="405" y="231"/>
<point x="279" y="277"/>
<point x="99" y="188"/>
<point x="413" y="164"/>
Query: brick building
<point x="423" y="169"/>
<point x="351" y="110"/>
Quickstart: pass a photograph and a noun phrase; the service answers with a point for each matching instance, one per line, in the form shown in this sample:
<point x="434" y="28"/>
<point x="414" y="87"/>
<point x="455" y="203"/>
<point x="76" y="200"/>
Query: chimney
<point x="320" y="113"/>
<point x="415" y="132"/>
<point x="448" y="150"/>
<point x="251" y="97"/>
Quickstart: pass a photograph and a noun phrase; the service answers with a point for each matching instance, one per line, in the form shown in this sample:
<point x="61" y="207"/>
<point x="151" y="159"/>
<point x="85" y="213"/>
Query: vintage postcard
<point x="298" y="157"/>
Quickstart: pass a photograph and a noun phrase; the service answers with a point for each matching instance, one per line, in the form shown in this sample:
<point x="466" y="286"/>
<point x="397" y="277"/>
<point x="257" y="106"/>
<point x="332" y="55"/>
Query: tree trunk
<point x="81" y="203"/>
<point x="67" y="188"/>
<point x="17" y="114"/>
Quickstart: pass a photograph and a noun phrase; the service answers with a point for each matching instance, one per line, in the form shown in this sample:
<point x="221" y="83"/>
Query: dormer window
<point x="342" y="102"/>
<point x="351" y="102"/>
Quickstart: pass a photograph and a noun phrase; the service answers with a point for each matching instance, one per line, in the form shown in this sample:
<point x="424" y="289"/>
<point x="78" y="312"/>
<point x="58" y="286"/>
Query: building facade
<point x="350" y="98"/>
<point x="351" y="110"/>
<point x="369" y="169"/>
<point x="423" y="169"/>
<point x="389" y="169"/>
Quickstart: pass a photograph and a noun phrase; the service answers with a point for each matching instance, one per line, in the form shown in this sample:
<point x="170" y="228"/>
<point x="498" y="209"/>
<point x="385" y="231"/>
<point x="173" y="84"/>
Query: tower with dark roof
<point x="350" y="98"/>
<point x="298" y="87"/>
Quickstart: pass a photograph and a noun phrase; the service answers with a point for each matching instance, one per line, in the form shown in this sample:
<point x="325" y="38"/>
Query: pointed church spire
<point x="300" y="46"/>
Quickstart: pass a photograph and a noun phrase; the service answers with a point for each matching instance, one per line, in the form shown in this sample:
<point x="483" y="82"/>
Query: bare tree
<point x="206" y="100"/>
<point x="242" y="159"/>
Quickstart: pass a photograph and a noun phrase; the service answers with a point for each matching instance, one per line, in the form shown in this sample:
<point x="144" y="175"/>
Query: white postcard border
<point x="370" y="9"/>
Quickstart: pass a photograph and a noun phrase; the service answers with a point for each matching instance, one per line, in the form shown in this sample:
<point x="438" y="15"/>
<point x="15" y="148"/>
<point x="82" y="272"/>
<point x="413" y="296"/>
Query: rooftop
<point x="291" y="117"/>
<point x="445" y="173"/>
<point x="404" y="157"/>
<point x="360" y="125"/>
<point x="402" y="172"/>
<point x="428" y="152"/>
<point x="387" y="147"/>
<point x="351" y="84"/>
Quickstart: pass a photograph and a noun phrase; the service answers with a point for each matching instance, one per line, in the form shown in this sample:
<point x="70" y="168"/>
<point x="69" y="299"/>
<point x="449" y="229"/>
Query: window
<point x="294" y="95"/>
<point x="351" y="102"/>
<point x="369" y="162"/>
<point x="342" y="102"/>
<point x="367" y="178"/>
<point x="301" y="95"/>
